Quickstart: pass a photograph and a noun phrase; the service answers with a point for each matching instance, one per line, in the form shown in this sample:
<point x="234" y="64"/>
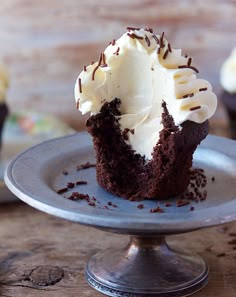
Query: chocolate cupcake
<point x="3" y="106"/>
<point x="228" y="95"/>
<point x="148" y="113"/>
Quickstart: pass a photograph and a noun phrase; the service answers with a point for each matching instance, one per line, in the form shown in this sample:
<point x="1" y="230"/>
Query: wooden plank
<point x="49" y="246"/>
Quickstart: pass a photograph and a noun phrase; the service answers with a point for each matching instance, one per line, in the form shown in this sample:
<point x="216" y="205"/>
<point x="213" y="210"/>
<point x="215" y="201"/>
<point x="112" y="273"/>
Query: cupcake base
<point x="127" y="174"/>
<point x="3" y="115"/>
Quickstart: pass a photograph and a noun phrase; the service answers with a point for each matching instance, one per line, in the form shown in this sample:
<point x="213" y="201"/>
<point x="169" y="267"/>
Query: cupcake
<point x="4" y="81"/>
<point x="228" y="83"/>
<point x="148" y="113"/>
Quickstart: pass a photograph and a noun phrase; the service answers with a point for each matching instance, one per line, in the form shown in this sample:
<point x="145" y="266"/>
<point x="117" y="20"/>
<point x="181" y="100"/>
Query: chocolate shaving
<point x="195" y="108"/>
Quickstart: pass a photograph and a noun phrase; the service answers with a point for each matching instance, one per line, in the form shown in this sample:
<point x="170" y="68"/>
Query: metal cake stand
<point x="147" y="266"/>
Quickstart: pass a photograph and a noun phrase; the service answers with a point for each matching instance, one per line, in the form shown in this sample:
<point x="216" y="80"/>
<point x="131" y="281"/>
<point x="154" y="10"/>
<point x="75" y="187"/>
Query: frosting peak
<point x="228" y="73"/>
<point x="142" y="70"/>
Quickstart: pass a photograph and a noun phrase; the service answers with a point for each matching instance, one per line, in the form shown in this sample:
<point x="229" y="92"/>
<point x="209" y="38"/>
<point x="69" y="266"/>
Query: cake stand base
<point x="146" y="267"/>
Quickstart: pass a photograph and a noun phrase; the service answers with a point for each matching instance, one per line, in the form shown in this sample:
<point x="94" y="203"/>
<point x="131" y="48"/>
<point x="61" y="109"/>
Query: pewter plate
<point x="36" y="174"/>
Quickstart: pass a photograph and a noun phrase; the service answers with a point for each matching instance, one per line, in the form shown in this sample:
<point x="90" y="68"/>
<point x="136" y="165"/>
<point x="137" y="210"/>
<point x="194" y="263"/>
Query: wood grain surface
<point x="44" y="256"/>
<point x="45" y="45"/>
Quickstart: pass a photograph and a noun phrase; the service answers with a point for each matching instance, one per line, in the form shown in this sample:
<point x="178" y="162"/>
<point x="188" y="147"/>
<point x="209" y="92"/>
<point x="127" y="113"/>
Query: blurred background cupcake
<point x="4" y="82"/>
<point x="228" y="83"/>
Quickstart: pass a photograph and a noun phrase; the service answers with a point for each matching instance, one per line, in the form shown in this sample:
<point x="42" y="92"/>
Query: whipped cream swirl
<point x="228" y="73"/>
<point x="142" y="70"/>
<point x="4" y="82"/>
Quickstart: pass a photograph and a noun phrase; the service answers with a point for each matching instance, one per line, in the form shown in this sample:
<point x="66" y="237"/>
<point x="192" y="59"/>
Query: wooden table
<point x="44" y="256"/>
<point x="45" y="44"/>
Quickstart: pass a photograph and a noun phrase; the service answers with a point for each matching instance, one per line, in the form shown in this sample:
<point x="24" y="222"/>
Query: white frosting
<point x="228" y="73"/>
<point x="142" y="79"/>
<point x="4" y="82"/>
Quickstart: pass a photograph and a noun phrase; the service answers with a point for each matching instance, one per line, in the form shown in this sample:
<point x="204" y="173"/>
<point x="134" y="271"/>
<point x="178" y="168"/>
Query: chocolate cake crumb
<point x="79" y="196"/>
<point x="140" y="206"/>
<point x="191" y="208"/>
<point x="70" y="185"/>
<point x="63" y="190"/>
<point x="157" y="209"/>
<point x="91" y="203"/>
<point x="109" y="203"/>
<point x="168" y="204"/>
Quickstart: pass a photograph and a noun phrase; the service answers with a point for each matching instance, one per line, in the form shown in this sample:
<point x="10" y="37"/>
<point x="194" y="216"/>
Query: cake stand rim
<point x="113" y="222"/>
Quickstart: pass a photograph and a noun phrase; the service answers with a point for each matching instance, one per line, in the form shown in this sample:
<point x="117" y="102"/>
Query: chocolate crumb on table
<point x="65" y="172"/>
<point x="70" y="185"/>
<point x="140" y="206"/>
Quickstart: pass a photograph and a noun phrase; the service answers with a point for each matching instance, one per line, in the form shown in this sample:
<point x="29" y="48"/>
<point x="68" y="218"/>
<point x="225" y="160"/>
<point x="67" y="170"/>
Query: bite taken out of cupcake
<point x="4" y="83"/>
<point x="148" y="113"/>
<point x="228" y="95"/>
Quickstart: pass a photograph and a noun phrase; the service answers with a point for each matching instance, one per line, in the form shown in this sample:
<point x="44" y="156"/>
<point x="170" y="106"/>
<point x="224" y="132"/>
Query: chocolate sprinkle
<point x="63" y="190"/>
<point x="165" y="54"/>
<point x="162" y="44"/>
<point x="195" y="108"/>
<point x="80" y="85"/>
<point x="77" y="105"/>
<point x="70" y="185"/>
<point x="191" y="67"/>
<point x="81" y="182"/>
<point x="113" y="42"/>
<point x="85" y="68"/>
<point x="189" y="61"/>
<point x="156" y="39"/>
<point x="149" y="30"/>
<point x="96" y="68"/>
<point x="202" y="89"/>
<point x="85" y="166"/>
<point x="132" y="29"/>
<point x="147" y="41"/>
<point x="169" y="48"/>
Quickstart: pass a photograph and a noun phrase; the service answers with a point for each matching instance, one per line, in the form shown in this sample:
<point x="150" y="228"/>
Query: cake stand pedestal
<point x="147" y="266"/>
